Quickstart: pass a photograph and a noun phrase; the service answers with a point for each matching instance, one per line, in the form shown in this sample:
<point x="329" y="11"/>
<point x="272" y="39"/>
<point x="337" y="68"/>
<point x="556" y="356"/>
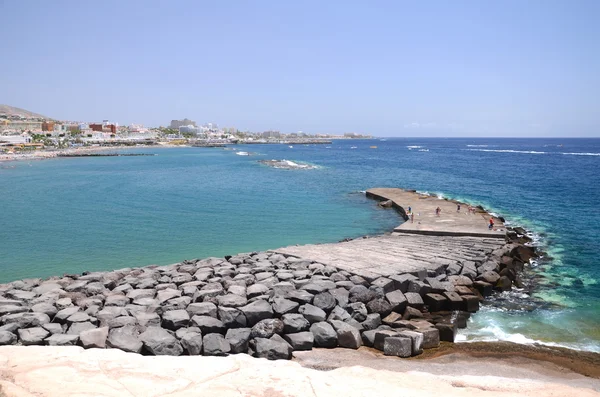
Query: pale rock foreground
<point x="73" y="371"/>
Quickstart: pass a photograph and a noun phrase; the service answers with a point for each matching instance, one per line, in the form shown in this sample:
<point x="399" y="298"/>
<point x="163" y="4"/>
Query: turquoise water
<point x="70" y="215"/>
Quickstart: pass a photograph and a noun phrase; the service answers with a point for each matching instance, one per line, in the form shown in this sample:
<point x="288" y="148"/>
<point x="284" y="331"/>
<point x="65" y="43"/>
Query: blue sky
<point x="447" y="68"/>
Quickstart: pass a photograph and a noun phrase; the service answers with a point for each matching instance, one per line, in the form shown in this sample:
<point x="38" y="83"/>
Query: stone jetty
<point x="399" y="293"/>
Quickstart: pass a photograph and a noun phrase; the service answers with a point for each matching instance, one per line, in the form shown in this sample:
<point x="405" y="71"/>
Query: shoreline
<point x="50" y="154"/>
<point x="581" y="362"/>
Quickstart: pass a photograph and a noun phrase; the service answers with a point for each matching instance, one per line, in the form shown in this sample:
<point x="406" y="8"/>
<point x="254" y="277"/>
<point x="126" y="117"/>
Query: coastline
<point x="50" y="154"/>
<point x="203" y="272"/>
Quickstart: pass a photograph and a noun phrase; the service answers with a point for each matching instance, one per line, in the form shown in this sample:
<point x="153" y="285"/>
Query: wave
<point x="582" y="154"/>
<point x="507" y="151"/>
<point x="477" y="145"/>
<point x="414" y="147"/>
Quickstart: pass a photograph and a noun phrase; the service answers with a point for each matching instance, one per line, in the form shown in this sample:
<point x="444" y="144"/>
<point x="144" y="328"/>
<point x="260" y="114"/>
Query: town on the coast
<point x="23" y="133"/>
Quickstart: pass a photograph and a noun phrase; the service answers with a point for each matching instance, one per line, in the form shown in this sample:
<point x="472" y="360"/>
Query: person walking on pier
<point x="438" y="210"/>
<point x="412" y="217"/>
<point x="457" y="207"/>
<point x="491" y="226"/>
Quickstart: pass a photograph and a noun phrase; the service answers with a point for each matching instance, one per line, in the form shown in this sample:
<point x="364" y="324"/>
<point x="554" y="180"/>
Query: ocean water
<point x="75" y="214"/>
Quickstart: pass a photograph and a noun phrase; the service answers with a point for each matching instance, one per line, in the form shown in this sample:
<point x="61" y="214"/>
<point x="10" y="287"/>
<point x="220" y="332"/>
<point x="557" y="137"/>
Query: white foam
<point x="507" y="151"/>
<point x="414" y="147"/>
<point x="583" y="154"/>
<point x="477" y="145"/>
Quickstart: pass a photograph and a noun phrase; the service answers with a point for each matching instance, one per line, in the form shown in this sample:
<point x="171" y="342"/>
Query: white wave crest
<point x="507" y="151"/>
<point x="477" y="145"/>
<point x="583" y="154"/>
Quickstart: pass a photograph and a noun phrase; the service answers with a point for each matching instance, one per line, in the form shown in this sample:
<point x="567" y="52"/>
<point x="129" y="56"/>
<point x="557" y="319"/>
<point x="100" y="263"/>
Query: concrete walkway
<point x="450" y="222"/>
<point x="397" y="253"/>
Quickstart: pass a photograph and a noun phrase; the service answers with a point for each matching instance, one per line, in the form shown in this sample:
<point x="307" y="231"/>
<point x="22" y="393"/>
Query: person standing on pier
<point x="412" y="217"/>
<point x="438" y="210"/>
<point x="491" y="226"/>
<point x="457" y="207"/>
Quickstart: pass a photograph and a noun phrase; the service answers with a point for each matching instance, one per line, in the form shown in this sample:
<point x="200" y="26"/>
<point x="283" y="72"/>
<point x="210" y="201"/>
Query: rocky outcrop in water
<point x="263" y="303"/>
<point x="288" y="164"/>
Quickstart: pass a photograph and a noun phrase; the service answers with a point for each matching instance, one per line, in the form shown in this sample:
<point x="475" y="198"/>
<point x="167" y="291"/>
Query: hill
<point x="13" y="111"/>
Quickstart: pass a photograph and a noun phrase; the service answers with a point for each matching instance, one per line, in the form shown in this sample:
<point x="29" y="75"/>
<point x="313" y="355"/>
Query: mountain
<point x="13" y="111"/>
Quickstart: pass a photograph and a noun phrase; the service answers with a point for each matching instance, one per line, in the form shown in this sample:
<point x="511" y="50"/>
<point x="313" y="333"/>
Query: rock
<point x="431" y="337"/>
<point x="436" y="302"/>
<point x="232" y="317"/>
<point x="283" y="306"/>
<point x="116" y="300"/>
<point x="347" y="335"/>
<point x="175" y="319"/>
<point x="397" y="346"/>
<point x="202" y="309"/>
<point x="26" y="320"/>
<point x="238" y="339"/>
<point x="192" y="343"/>
<point x="358" y="311"/>
<point x="77" y="328"/>
<point x="380" y="337"/>
<point x="373" y="321"/>
<point x="447" y="331"/>
<point x="256" y="311"/>
<point x="358" y="280"/>
<point x="46" y="287"/>
<point x="504" y="284"/>
<point x="7" y="338"/>
<point x="147" y="319"/>
<point x="62" y="340"/>
<point x="300" y="340"/>
<point x="317" y="287"/>
<point x="33" y="336"/>
<point x="324" y="335"/>
<point x="338" y="314"/>
<point x="324" y="301"/>
<point x="413" y="299"/>
<point x="484" y="288"/>
<point x="159" y="342"/>
<point x="454" y="301"/>
<point x="166" y="294"/>
<point x="231" y="300"/>
<point x="141" y="293"/>
<point x="386" y="204"/>
<point x="368" y="337"/>
<point x="379" y="306"/>
<point x="64" y="314"/>
<point x="360" y="293"/>
<point x="121" y="321"/>
<point x="215" y="345"/>
<point x="416" y="341"/>
<point x="471" y="303"/>
<point x="312" y="313"/>
<point x="12" y="309"/>
<point x="272" y="349"/>
<point x="53" y="328"/>
<point x="489" y="277"/>
<point x="410" y="313"/>
<point x="94" y="338"/>
<point x="79" y="317"/>
<point x="397" y="300"/>
<point x="385" y="283"/>
<point x="208" y="325"/>
<point x="341" y="295"/>
<point x="294" y="323"/>
<point x="126" y="339"/>
<point x="256" y="290"/>
<point x="266" y="328"/>
<point x="300" y="296"/>
<point x="461" y="280"/>
<point x="401" y="281"/>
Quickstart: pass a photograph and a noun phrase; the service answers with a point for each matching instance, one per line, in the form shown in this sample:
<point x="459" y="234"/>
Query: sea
<point x="69" y="215"/>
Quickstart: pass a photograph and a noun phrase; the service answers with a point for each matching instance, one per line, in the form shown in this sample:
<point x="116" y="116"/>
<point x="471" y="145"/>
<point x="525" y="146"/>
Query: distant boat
<point x="242" y="153"/>
<point x="291" y="147"/>
<point x="373" y="147"/>
<point x="352" y="147"/>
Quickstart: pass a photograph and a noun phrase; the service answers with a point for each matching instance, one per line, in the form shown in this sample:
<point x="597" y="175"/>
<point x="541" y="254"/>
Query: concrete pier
<point x="428" y="242"/>
<point x="450" y="221"/>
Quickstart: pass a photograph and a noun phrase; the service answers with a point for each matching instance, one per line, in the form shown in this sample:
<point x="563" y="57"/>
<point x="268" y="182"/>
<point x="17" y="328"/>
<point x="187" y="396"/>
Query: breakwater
<point x="271" y="303"/>
<point x="104" y="154"/>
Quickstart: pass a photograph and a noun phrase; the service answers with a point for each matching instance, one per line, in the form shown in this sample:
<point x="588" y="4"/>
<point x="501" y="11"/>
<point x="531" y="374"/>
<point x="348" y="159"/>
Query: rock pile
<point x="264" y="304"/>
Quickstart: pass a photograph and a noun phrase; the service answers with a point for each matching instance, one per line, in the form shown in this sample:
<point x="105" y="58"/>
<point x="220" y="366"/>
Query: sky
<point x="388" y="68"/>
